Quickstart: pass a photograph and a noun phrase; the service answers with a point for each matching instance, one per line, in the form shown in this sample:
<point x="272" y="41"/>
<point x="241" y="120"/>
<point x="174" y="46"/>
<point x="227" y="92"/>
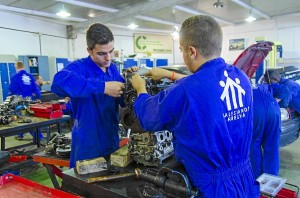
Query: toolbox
<point x="47" y="110"/>
<point x="19" y="187"/>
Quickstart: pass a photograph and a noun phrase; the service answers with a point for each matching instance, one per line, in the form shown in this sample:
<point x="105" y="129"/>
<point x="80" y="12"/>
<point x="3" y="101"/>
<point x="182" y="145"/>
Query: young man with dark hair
<point x="209" y="113"/>
<point x="286" y="91"/>
<point x="94" y="86"/>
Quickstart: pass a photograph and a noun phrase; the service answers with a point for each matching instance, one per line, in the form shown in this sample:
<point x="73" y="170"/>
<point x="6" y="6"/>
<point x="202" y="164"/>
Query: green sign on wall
<point x="159" y="44"/>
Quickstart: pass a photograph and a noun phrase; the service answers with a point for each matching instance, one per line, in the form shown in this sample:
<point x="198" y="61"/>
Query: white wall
<point x="22" y="35"/>
<point x="285" y="30"/>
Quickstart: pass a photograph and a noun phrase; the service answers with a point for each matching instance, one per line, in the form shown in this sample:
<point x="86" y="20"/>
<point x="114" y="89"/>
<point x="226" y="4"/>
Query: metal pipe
<point x="109" y="177"/>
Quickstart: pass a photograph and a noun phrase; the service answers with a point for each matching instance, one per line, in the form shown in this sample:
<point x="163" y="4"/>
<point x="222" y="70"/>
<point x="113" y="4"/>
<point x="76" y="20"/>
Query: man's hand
<point x="158" y="73"/>
<point x="114" y="88"/>
<point x="138" y="84"/>
<point x="132" y="69"/>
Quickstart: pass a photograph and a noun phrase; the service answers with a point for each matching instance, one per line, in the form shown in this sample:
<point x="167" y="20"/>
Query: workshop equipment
<point x="109" y="177"/>
<point x="91" y="166"/>
<point x="168" y="180"/>
<point x="150" y="149"/>
<point x="47" y="110"/>
<point x="171" y="181"/>
<point x="4" y="157"/>
<point x="121" y="157"/>
<point x="16" y="186"/>
<point x="60" y="145"/>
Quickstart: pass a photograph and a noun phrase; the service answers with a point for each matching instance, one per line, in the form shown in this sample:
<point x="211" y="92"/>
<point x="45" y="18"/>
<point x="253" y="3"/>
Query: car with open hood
<point x="249" y="61"/>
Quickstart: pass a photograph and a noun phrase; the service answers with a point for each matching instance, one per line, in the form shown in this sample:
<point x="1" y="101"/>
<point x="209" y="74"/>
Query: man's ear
<point x="89" y="51"/>
<point x="192" y="52"/>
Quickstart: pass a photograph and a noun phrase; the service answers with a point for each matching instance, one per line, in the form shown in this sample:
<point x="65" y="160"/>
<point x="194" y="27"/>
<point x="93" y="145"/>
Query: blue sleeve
<point x="283" y="93"/>
<point x="35" y="88"/>
<point x="159" y="112"/>
<point x="69" y="83"/>
<point x="68" y="109"/>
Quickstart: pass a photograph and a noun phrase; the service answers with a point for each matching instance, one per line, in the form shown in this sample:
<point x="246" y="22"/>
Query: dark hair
<point x="204" y="33"/>
<point x="272" y="75"/>
<point x="98" y="34"/>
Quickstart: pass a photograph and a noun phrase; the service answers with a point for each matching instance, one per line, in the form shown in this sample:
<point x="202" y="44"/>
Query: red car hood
<point x="251" y="58"/>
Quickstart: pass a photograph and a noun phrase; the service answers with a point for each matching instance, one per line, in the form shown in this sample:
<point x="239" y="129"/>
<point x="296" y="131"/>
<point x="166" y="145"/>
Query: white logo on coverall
<point x="26" y="80"/>
<point x="231" y="85"/>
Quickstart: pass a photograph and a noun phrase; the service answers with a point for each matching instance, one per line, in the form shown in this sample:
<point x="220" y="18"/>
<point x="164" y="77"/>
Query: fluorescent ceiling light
<point x="38" y="13"/>
<point x="132" y="26"/>
<point x="140" y="29"/>
<point x="250" y="18"/>
<point x="247" y="6"/>
<point x="88" y="5"/>
<point x="63" y="14"/>
<point x="146" y="18"/>
<point x="194" y="12"/>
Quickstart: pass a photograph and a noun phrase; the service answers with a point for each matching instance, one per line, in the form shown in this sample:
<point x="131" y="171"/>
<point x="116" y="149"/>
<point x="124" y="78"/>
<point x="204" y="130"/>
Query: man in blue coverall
<point x="23" y="83"/>
<point x="209" y="113"/>
<point x="264" y="153"/>
<point x="94" y="86"/>
<point x="286" y="91"/>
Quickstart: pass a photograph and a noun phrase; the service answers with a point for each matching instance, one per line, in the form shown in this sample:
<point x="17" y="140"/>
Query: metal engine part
<point x="167" y="181"/>
<point x="59" y="145"/>
<point x="13" y="105"/>
<point x="150" y="149"/>
<point x="128" y="119"/>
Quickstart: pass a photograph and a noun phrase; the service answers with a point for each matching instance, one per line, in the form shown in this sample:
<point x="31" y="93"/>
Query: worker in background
<point x="209" y="112"/>
<point x="264" y="153"/>
<point x="23" y="83"/>
<point x="94" y="86"/>
<point x="40" y="82"/>
<point x="286" y="91"/>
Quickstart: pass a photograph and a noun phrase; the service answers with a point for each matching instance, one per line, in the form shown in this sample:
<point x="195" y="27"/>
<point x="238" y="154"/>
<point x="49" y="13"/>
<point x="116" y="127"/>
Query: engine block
<point x="150" y="149"/>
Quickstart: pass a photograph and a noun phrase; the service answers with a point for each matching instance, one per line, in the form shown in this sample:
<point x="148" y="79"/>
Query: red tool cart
<point x="47" y="110"/>
<point x="19" y="187"/>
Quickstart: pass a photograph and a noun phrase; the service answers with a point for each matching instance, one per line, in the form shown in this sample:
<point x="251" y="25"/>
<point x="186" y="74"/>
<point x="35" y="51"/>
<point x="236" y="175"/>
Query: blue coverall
<point x="264" y="153"/>
<point x="289" y="92"/>
<point x="23" y="83"/>
<point x="210" y="115"/>
<point x="95" y="130"/>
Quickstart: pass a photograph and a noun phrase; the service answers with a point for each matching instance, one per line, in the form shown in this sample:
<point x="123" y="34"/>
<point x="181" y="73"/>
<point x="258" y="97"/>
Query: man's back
<point x="23" y="83"/>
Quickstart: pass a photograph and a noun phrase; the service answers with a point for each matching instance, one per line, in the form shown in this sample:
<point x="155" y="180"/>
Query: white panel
<point x="18" y="43"/>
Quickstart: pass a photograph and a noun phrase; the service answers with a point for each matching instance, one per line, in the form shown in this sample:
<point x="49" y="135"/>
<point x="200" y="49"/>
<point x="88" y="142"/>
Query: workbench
<point x="123" y="187"/>
<point x="15" y="128"/>
<point x="52" y="164"/>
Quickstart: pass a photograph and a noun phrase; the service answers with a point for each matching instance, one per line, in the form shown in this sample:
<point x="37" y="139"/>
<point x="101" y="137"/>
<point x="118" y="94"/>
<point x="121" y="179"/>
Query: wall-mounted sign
<point x="159" y="44"/>
<point x="236" y="44"/>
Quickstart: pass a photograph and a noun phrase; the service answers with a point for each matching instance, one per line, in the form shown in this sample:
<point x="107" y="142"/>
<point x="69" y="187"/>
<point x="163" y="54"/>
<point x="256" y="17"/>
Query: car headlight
<point x="284" y="114"/>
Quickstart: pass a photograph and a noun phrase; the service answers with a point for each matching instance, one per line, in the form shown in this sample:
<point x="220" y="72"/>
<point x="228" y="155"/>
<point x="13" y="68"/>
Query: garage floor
<point x="289" y="164"/>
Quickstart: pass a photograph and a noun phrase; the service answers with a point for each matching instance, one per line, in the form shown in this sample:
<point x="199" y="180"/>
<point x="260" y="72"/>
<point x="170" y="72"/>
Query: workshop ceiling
<point x="150" y="14"/>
